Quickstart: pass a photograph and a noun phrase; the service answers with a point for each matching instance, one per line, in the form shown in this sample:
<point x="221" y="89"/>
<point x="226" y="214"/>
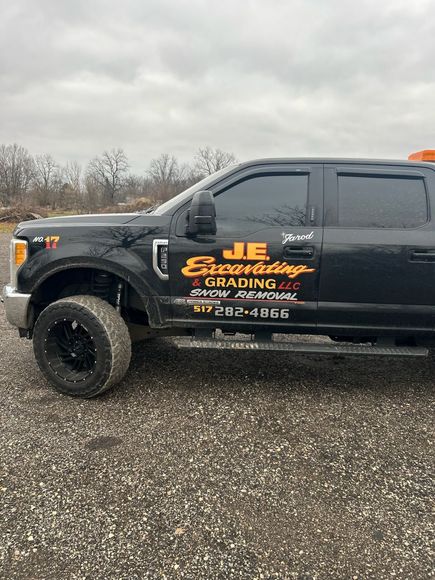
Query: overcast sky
<point x="256" y="77"/>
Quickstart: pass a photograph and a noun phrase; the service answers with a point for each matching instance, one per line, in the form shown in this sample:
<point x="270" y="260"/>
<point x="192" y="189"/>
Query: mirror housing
<point x="202" y="214"/>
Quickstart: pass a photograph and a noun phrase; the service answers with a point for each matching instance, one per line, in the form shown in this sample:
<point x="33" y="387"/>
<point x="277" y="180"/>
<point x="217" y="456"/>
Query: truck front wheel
<point x="82" y="345"/>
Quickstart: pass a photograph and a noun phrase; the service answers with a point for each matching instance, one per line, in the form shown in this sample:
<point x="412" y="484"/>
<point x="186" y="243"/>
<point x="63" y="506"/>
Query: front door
<point x="378" y="259"/>
<point x="261" y="269"/>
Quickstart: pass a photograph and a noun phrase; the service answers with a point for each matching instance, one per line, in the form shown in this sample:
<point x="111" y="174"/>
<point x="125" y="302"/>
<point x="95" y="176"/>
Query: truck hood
<point x="101" y="219"/>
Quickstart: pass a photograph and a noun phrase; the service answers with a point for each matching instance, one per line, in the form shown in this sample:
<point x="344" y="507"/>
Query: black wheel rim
<point x="70" y="350"/>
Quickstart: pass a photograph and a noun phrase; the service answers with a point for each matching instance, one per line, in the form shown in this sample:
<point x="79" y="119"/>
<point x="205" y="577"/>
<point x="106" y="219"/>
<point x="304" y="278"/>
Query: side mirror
<point x="202" y="214"/>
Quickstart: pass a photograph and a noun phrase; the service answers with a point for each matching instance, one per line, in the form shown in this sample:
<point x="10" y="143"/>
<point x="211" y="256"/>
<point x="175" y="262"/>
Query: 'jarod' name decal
<point x="200" y="266"/>
<point x="296" y="237"/>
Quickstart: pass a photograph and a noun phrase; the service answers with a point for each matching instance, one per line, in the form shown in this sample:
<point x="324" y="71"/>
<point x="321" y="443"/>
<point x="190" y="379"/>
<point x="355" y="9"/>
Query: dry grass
<point x="61" y="212"/>
<point x="7" y="227"/>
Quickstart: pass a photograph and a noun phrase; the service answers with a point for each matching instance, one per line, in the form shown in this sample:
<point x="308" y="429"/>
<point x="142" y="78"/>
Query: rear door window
<point x="377" y="201"/>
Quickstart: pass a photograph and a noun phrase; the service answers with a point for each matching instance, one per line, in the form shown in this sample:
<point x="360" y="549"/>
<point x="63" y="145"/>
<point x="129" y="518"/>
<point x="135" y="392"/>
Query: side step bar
<point x="299" y="347"/>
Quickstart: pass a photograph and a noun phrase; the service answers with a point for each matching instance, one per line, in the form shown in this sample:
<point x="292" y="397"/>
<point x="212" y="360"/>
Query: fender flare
<point x="141" y="286"/>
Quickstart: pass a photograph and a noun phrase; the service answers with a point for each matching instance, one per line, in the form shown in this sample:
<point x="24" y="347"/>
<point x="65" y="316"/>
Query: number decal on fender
<point x="51" y="242"/>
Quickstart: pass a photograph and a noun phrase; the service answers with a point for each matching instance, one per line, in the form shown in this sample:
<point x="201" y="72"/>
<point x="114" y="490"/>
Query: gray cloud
<point x="277" y="78"/>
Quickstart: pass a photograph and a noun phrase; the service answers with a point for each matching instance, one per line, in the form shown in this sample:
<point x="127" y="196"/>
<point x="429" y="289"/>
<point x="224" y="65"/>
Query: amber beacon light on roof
<point x="426" y="155"/>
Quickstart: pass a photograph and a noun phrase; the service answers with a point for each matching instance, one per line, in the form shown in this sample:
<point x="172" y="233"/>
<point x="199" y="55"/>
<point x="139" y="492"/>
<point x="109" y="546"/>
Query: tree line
<point x="39" y="181"/>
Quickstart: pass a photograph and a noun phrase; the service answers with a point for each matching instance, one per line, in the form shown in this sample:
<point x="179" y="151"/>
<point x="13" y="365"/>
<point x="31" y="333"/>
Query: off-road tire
<point x="108" y="332"/>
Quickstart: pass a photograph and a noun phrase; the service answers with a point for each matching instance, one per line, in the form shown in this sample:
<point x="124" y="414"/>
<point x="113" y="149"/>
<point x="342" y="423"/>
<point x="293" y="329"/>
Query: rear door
<point x="378" y="261"/>
<point x="262" y="266"/>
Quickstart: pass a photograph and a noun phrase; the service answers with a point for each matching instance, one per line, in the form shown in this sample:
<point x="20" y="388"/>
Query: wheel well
<point x="94" y="282"/>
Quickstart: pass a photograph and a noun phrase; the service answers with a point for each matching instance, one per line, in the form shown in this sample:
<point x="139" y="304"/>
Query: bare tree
<point x="109" y="172"/>
<point x="165" y="175"/>
<point x="16" y="173"/>
<point x="105" y="181"/>
<point x="47" y="181"/>
<point x="73" y="175"/>
<point x="72" y="191"/>
<point x="191" y="175"/>
<point x="209" y="160"/>
<point x="135" y="187"/>
<point x="92" y="197"/>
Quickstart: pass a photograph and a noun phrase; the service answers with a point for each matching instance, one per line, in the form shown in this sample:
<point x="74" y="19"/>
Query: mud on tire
<point x="82" y="345"/>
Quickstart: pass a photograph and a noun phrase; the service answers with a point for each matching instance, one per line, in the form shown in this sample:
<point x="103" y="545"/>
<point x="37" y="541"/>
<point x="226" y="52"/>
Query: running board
<point x="299" y="347"/>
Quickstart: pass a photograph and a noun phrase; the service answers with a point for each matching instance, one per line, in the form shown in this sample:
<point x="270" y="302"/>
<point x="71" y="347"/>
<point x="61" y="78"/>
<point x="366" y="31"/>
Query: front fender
<point x="125" y="251"/>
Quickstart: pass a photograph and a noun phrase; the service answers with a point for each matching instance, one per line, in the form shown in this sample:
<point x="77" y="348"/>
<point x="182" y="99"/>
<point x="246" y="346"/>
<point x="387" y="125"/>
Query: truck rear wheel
<point x="82" y="345"/>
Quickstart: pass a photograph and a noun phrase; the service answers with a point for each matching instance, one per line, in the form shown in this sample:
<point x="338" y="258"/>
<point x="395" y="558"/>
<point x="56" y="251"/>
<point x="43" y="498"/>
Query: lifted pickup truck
<point x="336" y="247"/>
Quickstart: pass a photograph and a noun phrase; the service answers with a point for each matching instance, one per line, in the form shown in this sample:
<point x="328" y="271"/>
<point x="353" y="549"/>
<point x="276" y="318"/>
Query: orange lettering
<point x="237" y="253"/>
<point x="197" y="266"/>
<point x="248" y="251"/>
<point x="206" y="266"/>
<point x="256" y="251"/>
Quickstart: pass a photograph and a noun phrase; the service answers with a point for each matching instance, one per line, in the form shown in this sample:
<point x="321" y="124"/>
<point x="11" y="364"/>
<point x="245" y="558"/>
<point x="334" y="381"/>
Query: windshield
<point x="200" y="186"/>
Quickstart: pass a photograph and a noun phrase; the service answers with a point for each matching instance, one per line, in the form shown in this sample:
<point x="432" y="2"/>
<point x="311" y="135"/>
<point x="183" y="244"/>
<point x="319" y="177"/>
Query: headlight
<point x="18" y="255"/>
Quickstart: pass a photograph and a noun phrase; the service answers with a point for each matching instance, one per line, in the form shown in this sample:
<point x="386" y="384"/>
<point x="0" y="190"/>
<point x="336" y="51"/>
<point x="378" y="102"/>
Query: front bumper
<point x="16" y="307"/>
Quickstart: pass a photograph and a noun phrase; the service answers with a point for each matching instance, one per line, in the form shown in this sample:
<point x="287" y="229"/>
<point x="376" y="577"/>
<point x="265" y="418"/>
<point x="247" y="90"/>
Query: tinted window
<point x="262" y="201"/>
<point x="381" y="202"/>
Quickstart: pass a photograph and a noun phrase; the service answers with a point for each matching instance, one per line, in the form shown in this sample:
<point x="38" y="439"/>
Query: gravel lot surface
<point x="218" y="465"/>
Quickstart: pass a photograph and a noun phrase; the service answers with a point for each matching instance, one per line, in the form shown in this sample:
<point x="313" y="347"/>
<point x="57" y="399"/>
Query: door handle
<point x="422" y="255"/>
<point x="306" y="252"/>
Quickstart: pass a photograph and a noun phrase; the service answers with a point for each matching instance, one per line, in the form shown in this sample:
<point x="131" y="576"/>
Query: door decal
<point x="235" y="279"/>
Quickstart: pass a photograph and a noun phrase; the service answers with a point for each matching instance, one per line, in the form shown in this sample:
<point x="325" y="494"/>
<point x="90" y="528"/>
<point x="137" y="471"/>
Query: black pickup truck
<point x="343" y="248"/>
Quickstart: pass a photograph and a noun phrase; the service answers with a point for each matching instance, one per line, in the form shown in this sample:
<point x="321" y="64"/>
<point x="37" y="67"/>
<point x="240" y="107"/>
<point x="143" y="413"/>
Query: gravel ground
<point x="206" y="464"/>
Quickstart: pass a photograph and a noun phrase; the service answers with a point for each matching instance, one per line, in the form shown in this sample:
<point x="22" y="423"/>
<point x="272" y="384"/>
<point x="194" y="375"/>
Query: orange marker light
<point x="425" y="155"/>
<point x="20" y="253"/>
